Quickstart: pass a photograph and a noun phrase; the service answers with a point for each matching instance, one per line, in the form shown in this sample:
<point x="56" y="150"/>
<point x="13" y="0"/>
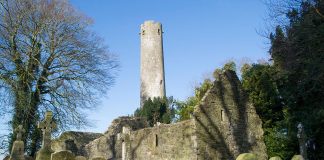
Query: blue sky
<point x="199" y="36"/>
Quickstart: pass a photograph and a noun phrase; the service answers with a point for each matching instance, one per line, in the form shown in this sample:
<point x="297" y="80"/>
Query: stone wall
<point x="165" y="141"/>
<point x="223" y="125"/>
<point x="93" y="145"/>
<point x="227" y="123"/>
<point x="74" y="142"/>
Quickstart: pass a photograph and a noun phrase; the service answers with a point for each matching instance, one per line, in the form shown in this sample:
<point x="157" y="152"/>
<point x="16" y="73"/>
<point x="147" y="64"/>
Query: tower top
<point x="151" y="28"/>
<point x="150" y="22"/>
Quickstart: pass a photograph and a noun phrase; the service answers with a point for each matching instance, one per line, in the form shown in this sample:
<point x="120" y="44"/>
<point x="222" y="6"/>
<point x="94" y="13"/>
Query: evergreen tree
<point x="260" y="82"/>
<point x="297" y="51"/>
<point x="157" y="110"/>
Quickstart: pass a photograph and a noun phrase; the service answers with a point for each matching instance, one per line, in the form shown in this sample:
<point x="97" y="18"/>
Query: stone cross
<point x="19" y="130"/>
<point x="302" y="140"/>
<point x="47" y="126"/>
<point x="17" y="151"/>
<point x="125" y="138"/>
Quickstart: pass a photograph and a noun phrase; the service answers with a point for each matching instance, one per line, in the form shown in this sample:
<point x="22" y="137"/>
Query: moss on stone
<point x="98" y="158"/>
<point x="247" y="156"/>
<point x="275" y="158"/>
<point x="44" y="154"/>
<point x="297" y="157"/>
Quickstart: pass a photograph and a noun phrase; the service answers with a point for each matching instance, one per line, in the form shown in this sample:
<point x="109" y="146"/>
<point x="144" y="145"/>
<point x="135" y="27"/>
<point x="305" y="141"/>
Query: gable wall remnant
<point x="227" y="123"/>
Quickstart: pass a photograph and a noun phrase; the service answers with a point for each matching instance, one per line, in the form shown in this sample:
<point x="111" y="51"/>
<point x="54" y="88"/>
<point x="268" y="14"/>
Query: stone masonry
<point x="152" y="62"/>
<point x="17" y="152"/>
<point x="74" y="142"/>
<point x="223" y="126"/>
<point x="47" y="126"/>
<point x="226" y="122"/>
<point x="92" y="145"/>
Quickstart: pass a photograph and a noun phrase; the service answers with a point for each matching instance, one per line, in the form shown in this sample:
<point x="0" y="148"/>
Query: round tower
<point x="152" y="63"/>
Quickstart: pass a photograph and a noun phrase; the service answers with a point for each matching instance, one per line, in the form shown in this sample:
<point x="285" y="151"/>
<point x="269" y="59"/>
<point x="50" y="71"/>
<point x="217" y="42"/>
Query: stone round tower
<point x="152" y="63"/>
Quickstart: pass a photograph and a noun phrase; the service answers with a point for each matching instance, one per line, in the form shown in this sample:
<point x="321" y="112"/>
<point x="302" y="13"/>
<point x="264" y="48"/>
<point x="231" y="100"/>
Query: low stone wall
<point x="166" y="141"/>
<point x="93" y="145"/>
<point x="74" y="142"/>
<point x="107" y="145"/>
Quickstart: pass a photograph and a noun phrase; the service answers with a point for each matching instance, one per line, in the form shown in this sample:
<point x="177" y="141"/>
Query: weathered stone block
<point x="74" y="142"/>
<point x="62" y="155"/>
<point x="297" y="157"/>
<point x="275" y="158"/>
<point x="44" y="154"/>
<point x="29" y="158"/>
<point x="80" y="158"/>
<point x="98" y="158"/>
<point x="247" y="156"/>
<point x="17" y="152"/>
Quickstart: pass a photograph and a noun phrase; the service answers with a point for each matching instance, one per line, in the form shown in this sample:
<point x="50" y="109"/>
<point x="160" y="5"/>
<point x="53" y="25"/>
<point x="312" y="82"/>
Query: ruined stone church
<point x="223" y="125"/>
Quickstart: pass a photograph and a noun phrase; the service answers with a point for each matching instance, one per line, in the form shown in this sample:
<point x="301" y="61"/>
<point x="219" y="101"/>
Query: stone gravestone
<point x="98" y="158"/>
<point x="80" y="158"/>
<point x="6" y="158"/>
<point x="275" y="158"/>
<point x="297" y="157"/>
<point x="62" y="155"/>
<point x="125" y="138"/>
<point x="29" y="158"/>
<point x="247" y="156"/>
<point x="302" y="140"/>
<point x="17" y="152"/>
<point x="47" y="126"/>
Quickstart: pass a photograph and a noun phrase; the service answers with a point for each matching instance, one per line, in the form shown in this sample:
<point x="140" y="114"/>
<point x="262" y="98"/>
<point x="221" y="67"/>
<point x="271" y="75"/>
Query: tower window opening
<point x="156" y="140"/>
<point x="159" y="32"/>
<point x="143" y="32"/>
<point x="222" y="115"/>
<point x="161" y="82"/>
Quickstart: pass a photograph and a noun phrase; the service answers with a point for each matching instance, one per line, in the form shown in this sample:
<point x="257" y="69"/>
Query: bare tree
<point x="50" y="60"/>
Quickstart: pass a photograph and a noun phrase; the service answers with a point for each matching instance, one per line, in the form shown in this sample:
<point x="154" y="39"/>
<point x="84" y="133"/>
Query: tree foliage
<point x="260" y="82"/>
<point x="297" y="51"/>
<point x="157" y="110"/>
<point x="288" y="91"/>
<point x="49" y="60"/>
<point x="186" y="108"/>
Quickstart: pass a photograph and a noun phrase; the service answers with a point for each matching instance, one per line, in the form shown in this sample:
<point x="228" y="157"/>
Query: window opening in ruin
<point x="161" y="82"/>
<point x="143" y="32"/>
<point x="156" y="141"/>
<point x="222" y="115"/>
<point x="159" y="31"/>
